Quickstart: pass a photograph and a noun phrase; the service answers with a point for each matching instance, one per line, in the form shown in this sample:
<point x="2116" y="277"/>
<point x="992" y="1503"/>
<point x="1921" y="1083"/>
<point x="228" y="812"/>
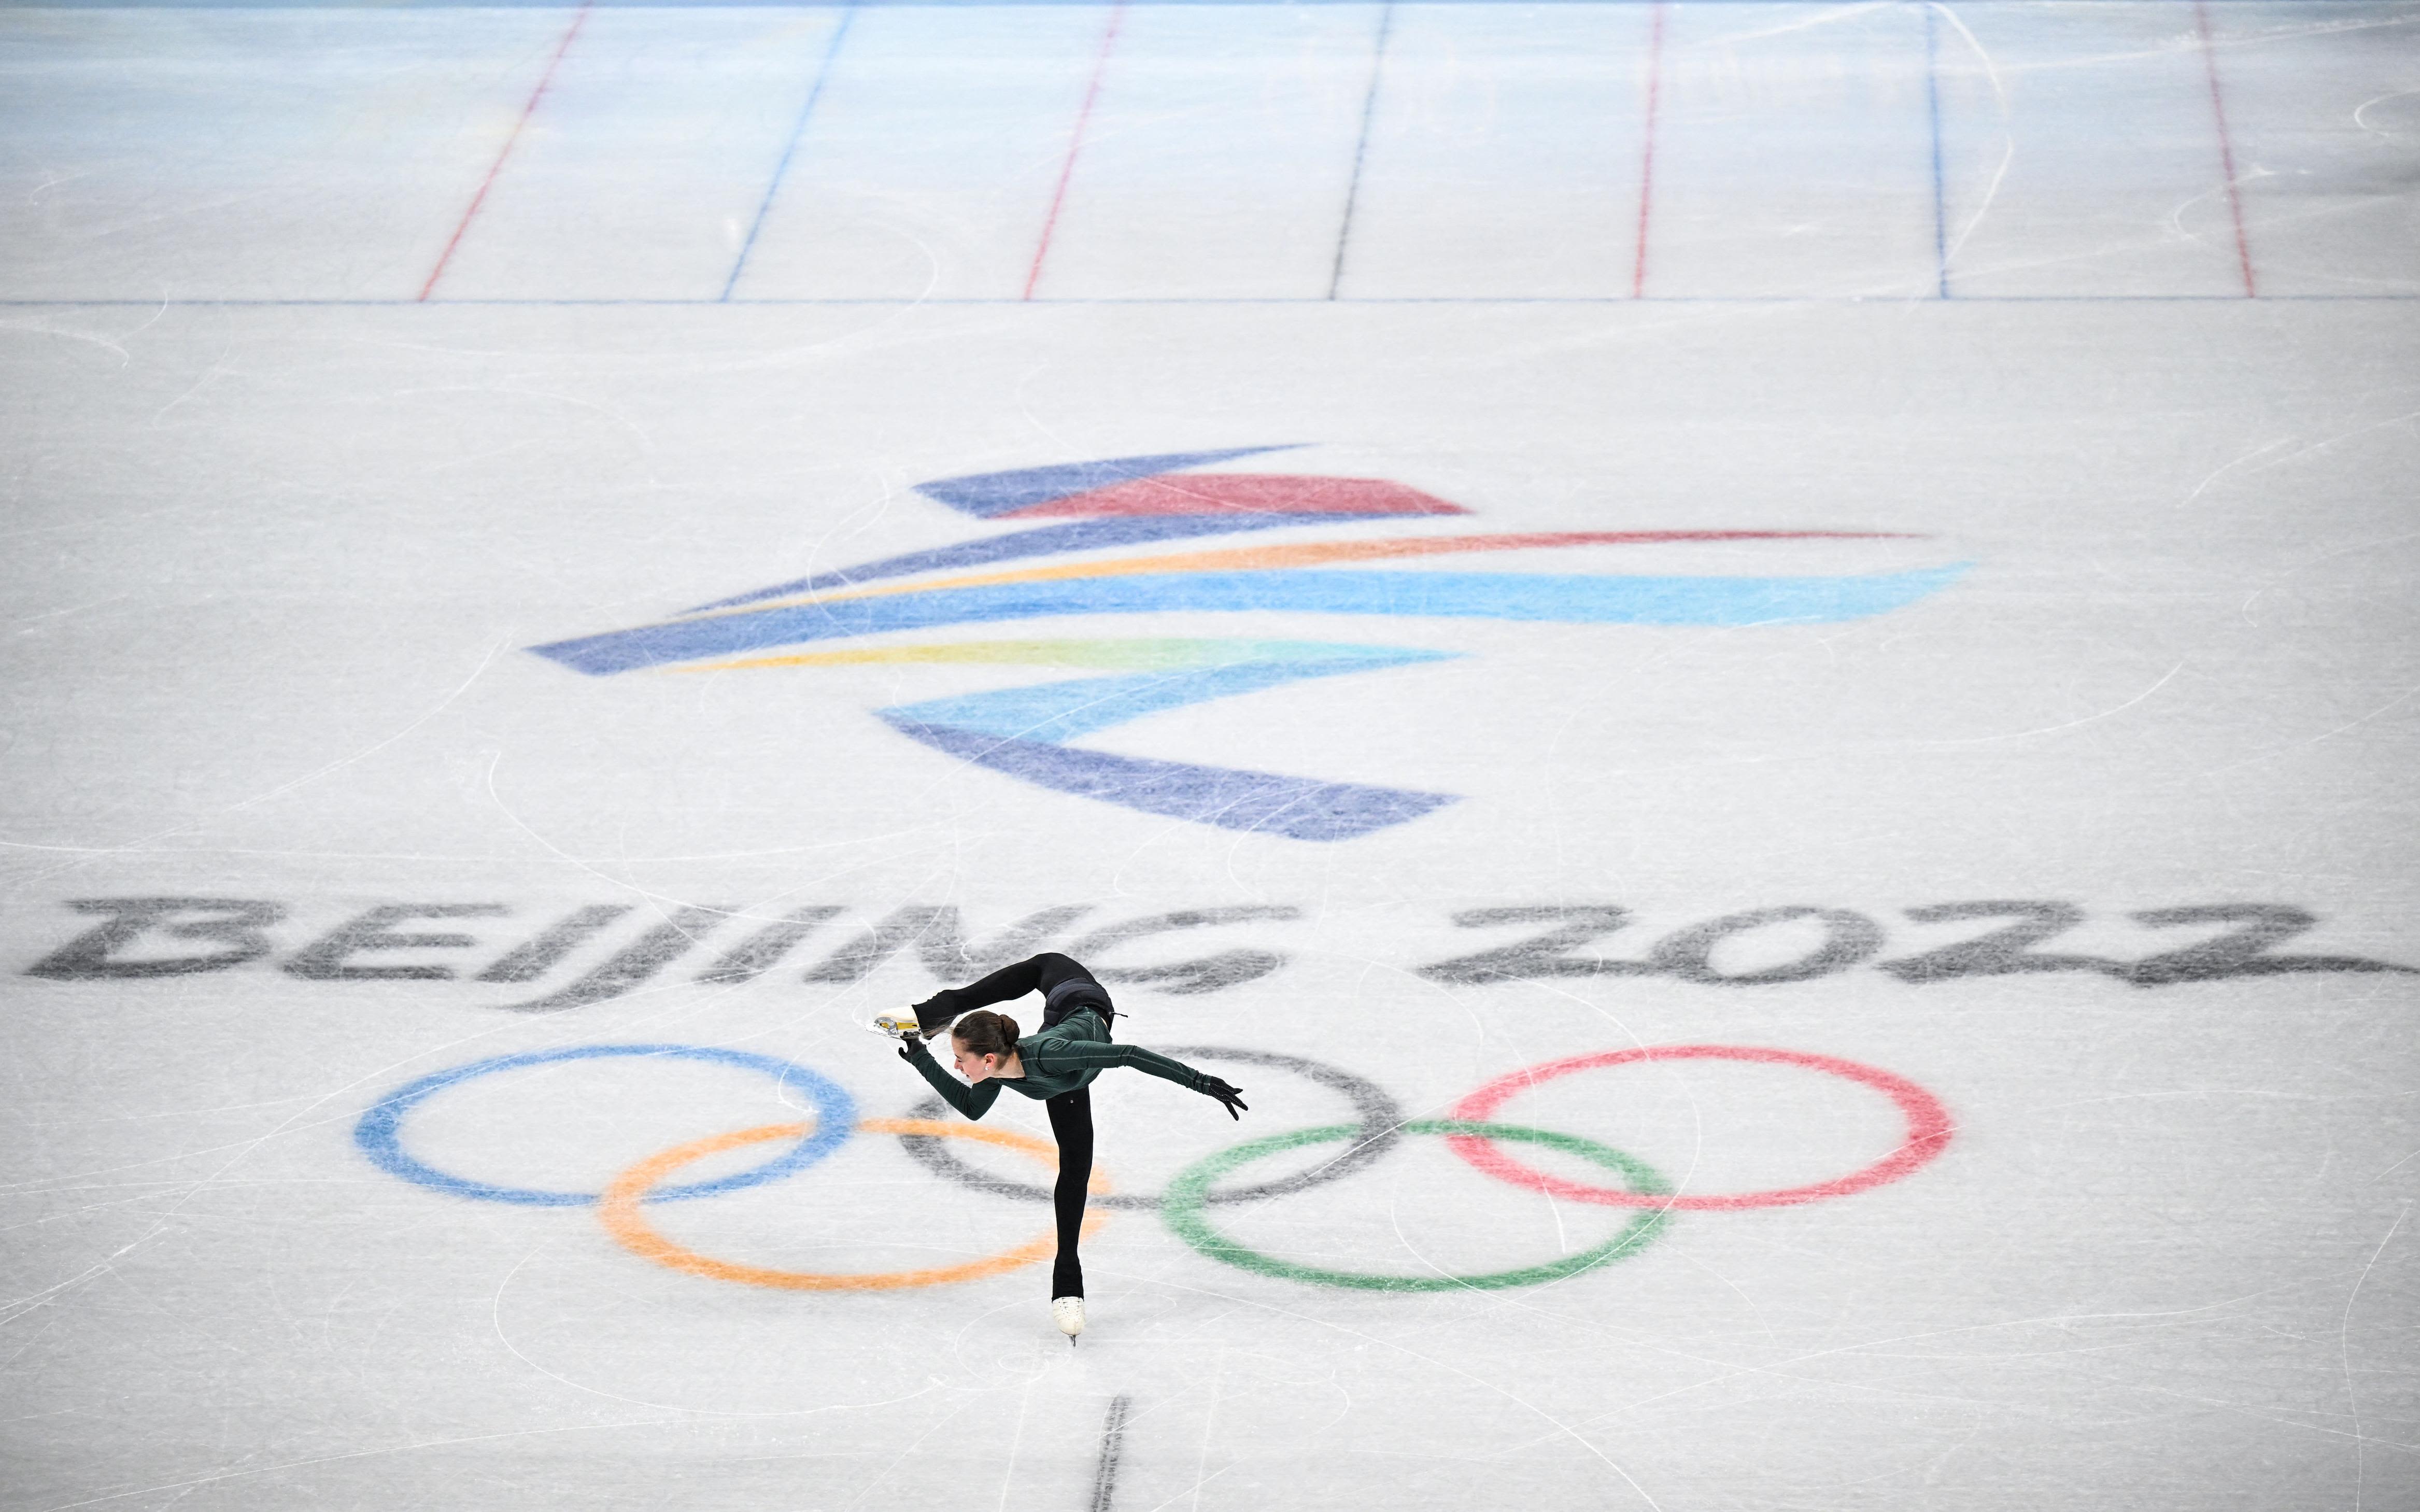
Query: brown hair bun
<point x="985" y="1033"/>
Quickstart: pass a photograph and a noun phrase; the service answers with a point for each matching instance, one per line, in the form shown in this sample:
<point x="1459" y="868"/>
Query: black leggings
<point x="1071" y="1124"/>
<point x="1066" y="988"/>
<point x="1064" y="985"/>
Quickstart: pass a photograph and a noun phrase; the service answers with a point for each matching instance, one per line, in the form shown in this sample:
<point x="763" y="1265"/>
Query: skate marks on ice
<point x="1113" y="1444"/>
<point x="1026" y="732"/>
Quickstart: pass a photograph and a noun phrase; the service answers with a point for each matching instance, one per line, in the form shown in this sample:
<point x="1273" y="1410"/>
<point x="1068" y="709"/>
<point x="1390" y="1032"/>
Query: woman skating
<point x="1057" y="1065"/>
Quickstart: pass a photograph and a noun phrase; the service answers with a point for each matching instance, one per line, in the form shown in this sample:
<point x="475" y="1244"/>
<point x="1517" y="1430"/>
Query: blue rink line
<point x="1361" y="145"/>
<point x="790" y="149"/>
<point x="1932" y="113"/>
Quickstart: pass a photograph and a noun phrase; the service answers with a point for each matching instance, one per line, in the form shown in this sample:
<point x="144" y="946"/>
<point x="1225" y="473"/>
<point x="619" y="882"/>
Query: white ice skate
<point x="1068" y="1313"/>
<point x="895" y="1024"/>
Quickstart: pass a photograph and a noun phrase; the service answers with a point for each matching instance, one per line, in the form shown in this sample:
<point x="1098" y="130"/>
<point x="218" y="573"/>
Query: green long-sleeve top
<point x="1060" y="1058"/>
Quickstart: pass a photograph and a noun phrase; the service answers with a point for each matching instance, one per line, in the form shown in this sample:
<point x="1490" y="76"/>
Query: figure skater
<point x="1056" y="1066"/>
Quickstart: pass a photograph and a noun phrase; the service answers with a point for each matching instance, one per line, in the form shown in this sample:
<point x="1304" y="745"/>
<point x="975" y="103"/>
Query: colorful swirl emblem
<point x="1132" y="506"/>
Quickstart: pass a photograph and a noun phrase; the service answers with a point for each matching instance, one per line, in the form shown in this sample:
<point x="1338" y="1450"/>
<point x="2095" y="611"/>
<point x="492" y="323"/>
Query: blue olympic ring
<point x="379" y="1133"/>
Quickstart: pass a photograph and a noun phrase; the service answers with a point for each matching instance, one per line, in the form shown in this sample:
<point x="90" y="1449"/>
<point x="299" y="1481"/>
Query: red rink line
<point x="489" y="182"/>
<point x="1646" y="153"/>
<point x="2226" y="149"/>
<point x="1075" y="145"/>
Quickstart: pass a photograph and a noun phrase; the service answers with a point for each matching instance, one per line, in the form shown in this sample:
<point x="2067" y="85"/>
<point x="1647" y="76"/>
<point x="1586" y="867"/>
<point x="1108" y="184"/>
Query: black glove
<point x="1230" y="1097"/>
<point x="910" y="1045"/>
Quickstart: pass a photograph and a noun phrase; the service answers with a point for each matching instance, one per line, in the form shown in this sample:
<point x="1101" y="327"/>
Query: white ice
<point x="351" y="354"/>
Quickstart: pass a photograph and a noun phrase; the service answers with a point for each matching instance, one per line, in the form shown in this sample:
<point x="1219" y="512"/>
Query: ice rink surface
<point x="1751" y="666"/>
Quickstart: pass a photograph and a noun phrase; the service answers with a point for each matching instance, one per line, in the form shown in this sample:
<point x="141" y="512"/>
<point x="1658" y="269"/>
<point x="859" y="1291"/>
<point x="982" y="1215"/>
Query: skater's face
<point x="973" y="1066"/>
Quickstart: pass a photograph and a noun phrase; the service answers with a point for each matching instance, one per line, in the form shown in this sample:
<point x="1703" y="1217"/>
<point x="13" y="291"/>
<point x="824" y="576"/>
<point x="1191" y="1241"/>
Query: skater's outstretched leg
<point x="1037" y="974"/>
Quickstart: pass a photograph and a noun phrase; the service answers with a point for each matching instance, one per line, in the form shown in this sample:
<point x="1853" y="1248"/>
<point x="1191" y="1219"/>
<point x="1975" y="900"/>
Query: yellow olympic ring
<point x="619" y="1209"/>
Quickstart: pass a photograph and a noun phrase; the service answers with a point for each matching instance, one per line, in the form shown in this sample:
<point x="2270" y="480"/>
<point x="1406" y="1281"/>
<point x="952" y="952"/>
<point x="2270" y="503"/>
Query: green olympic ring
<point x="1184" y="1202"/>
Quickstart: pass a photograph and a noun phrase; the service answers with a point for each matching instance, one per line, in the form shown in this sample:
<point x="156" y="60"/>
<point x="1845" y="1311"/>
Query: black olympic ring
<point x="1381" y="1128"/>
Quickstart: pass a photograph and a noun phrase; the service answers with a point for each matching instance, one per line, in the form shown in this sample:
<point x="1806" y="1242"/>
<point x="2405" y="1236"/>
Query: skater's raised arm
<point x="1066" y="1057"/>
<point x="970" y="1101"/>
<point x="1098" y="1056"/>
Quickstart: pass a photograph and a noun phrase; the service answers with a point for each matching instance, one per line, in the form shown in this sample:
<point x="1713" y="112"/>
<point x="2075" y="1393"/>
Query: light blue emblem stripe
<point x="1056" y="712"/>
<point x="1623" y="601"/>
<point x="1267" y="802"/>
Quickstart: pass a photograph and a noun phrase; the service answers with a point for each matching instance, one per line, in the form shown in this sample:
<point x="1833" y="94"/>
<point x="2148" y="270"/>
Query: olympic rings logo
<point x="1472" y="1131"/>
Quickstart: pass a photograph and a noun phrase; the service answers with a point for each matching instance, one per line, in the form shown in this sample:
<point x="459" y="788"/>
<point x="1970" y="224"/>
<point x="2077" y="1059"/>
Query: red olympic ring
<point x="1929" y="1128"/>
